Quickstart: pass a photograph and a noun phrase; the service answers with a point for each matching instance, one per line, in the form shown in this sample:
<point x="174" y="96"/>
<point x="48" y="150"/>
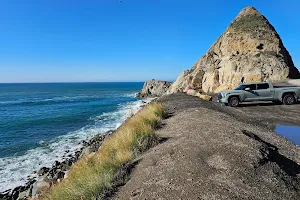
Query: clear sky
<point x="135" y="40"/>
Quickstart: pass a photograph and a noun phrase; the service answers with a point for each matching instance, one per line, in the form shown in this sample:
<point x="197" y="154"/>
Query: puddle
<point x="291" y="133"/>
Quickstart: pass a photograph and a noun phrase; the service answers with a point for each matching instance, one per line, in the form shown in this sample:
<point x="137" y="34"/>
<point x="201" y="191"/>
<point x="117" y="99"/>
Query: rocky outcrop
<point x="47" y="177"/>
<point x="154" y="88"/>
<point x="250" y="49"/>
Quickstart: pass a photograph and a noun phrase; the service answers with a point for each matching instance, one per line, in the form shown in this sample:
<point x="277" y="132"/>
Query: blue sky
<point x="105" y="40"/>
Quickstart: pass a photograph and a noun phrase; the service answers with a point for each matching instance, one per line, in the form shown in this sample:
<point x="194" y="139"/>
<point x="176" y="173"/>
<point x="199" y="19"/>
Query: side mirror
<point x="247" y="89"/>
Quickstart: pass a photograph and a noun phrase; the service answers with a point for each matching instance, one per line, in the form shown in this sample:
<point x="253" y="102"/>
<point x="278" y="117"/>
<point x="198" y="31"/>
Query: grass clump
<point x="251" y="23"/>
<point x="91" y="176"/>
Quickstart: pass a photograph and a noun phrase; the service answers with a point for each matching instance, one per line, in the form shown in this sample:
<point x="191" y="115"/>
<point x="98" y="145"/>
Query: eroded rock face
<point x="154" y="88"/>
<point x="249" y="50"/>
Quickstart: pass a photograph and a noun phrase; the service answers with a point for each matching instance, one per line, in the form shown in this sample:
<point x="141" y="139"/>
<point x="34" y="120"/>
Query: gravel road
<point x="216" y="152"/>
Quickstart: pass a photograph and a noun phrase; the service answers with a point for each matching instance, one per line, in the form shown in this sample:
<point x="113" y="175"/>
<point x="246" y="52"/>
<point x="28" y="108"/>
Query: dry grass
<point x="91" y="175"/>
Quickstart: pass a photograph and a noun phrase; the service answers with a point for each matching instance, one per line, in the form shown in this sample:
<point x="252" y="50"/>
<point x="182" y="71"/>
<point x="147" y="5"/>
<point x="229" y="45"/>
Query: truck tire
<point x="234" y="102"/>
<point x="288" y="99"/>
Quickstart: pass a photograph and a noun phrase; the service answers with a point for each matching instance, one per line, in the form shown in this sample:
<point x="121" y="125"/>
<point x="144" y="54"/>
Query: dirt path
<point x="216" y="152"/>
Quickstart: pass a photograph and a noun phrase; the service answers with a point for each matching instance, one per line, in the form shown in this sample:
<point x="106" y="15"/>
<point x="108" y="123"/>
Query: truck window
<point x="262" y="86"/>
<point x="252" y="86"/>
<point x="241" y="87"/>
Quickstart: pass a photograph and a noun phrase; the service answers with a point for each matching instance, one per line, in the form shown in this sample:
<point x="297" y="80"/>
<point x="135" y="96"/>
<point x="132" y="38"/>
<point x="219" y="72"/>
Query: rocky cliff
<point x="154" y="88"/>
<point x="250" y="49"/>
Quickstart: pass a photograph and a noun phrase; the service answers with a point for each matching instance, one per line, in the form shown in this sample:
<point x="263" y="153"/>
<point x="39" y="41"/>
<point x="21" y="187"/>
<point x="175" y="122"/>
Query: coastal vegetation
<point x="94" y="175"/>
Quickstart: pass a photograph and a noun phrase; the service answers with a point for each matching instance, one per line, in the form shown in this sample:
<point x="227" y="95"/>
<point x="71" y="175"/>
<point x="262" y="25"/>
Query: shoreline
<point x="264" y="149"/>
<point x="59" y="169"/>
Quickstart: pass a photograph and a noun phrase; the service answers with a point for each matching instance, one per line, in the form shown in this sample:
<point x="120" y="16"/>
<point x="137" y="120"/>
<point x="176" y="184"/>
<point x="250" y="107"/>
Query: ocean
<point x="41" y="122"/>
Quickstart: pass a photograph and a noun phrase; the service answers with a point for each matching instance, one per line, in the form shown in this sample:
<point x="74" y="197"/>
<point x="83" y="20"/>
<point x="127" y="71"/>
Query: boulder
<point x="154" y="88"/>
<point x="196" y="93"/>
<point x="249" y="50"/>
<point x="193" y="92"/>
<point x="205" y="97"/>
<point x="40" y="187"/>
<point x="43" y="171"/>
<point x="22" y="195"/>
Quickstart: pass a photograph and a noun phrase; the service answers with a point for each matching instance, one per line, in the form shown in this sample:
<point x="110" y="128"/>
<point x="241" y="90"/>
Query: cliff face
<point x="249" y="50"/>
<point x="154" y="88"/>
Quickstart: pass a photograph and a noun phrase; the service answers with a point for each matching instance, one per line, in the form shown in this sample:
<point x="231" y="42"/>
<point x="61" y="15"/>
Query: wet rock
<point x="22" y="195"/>
<point x="59" y="175"/>
<point x="15" y="193"/>
<point x="5" y="195"/>
<point x="49" y="176"/>
<point x="43" y="171"/>
<point x="29" y="191"/>
<point x="66" y="166"/>
<point x="55" y="164"/>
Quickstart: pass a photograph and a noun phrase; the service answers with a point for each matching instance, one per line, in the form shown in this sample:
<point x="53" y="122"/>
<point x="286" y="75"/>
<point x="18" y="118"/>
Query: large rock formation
<point x="154" y="88"/>
<point x="249" y="50"/>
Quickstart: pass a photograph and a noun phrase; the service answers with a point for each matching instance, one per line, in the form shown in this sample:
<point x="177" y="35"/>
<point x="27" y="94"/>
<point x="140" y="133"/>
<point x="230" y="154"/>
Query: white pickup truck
<point x="262" y="91"/>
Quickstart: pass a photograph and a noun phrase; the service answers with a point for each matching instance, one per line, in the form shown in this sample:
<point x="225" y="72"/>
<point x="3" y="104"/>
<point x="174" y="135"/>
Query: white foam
<point x="14" y="170"/>
<point x="54" y="99"/>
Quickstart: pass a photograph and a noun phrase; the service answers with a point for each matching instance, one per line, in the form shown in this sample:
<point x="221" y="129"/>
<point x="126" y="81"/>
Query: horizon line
<point x="73" y="82"/>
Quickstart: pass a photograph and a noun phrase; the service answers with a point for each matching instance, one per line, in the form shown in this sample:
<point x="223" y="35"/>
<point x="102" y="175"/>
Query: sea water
<point x="40" y="122"/>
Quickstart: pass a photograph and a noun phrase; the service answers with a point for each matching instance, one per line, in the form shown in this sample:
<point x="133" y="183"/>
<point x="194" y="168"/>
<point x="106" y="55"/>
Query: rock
<point x="205" y="97"/>
<point x="5" y="195"/>
<point x="22" y="195"/>
<point x="43" y="171"/>
<point x="66" y="174"/>
<point x="198" y="94"/>
<point x="154" y="88"/>
<point x="192" y="92"/>
<point x="55" y="164"/>
<point x="87" y="150"/>
<point x="66" y="165"/>
<point x="15" y="195"/>
<point x="40" y="187"/>
<point x="29" y="191"/>
<point x="49" y="176"/>
<point x="59" y="175"/>
<point x="180" y="85"/>
<point x="249" y="50"/>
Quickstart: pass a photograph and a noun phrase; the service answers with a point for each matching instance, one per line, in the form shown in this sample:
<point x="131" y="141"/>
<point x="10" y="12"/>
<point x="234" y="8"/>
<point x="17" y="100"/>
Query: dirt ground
<point x="216" y="152"/>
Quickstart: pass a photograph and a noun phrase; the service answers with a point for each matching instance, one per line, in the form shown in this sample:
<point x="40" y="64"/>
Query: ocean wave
<point x="63" y="99"/>
<point x="14" y="170"/>
<point x="38" y="101"/>
<point x="131" y="94"/>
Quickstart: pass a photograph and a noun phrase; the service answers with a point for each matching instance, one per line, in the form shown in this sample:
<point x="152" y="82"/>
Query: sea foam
<point x="15" y="170"/>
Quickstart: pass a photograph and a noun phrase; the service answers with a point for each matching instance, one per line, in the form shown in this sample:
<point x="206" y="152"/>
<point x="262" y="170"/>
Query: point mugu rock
<point x="249" y="50"/>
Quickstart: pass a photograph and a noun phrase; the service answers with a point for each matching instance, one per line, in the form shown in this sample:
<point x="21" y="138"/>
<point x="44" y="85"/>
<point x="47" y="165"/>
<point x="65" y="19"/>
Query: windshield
<point x="241" y="87"/>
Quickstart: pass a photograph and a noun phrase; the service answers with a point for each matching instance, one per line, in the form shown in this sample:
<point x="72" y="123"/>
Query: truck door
<point x="265" y="93"/>
<point x="250" y="94"/>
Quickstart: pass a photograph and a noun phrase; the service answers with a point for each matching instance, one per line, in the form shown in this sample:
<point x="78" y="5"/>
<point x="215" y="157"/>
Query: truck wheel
<point x="234" y="102"/>
<point x="288" y="99"/>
